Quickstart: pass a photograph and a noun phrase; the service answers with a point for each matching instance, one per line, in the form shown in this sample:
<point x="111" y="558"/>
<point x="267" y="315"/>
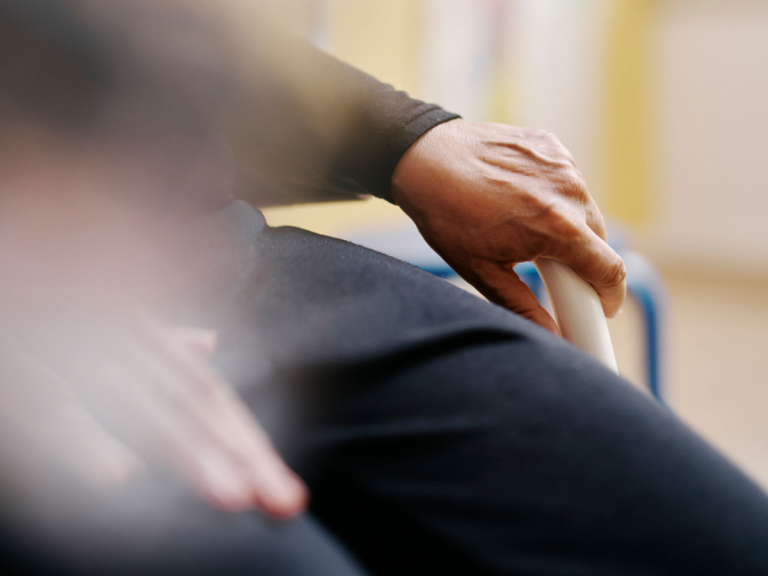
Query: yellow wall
<point x="627" y="119"/>
<point x="381" y="38"/>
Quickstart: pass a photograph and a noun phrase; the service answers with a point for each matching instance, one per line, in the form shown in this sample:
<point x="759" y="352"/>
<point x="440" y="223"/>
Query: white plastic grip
<point x="578" y="311"/>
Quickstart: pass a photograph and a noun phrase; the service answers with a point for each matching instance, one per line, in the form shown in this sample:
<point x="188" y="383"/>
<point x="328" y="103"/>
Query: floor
<point x="718" y="351"/>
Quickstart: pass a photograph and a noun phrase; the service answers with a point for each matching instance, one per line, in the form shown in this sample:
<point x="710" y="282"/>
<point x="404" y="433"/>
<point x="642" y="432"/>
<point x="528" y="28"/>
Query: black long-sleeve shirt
<point x="318" y="129"/>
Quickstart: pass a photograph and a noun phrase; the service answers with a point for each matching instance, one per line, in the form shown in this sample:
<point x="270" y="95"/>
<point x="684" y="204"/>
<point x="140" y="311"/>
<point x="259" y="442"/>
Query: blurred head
<point x="126" y="81"/>
<point x="108" y="113"/>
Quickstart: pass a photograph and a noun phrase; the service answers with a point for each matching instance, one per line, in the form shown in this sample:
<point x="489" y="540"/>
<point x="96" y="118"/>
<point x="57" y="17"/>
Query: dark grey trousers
<point x="439" y="434"/>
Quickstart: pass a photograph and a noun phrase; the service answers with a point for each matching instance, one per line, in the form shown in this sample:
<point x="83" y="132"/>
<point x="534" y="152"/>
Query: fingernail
<point x="283" y="494"/>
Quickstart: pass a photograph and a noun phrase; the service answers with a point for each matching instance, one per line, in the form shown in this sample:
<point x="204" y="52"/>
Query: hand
<point x="155" y="383"/>
<point x="489" y="196"/>
<point x="39" y="404"/>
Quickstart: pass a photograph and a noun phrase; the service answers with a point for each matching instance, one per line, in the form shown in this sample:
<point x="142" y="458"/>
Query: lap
<point x="549" y="465"/>
<point x="440" y="431"/>
<point x="153" y="526"/>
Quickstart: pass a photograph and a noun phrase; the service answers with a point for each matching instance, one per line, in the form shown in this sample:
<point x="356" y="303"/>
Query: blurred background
<point x="664" y="106"/>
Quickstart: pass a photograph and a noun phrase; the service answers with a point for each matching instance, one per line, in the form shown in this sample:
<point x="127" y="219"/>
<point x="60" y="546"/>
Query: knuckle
<point x="570" y="231"/>
<point x="539" y="205"/>
<point x="205" y="388"/>
<point x="596" y="221"/>
<point x="536" y="132"/>
<point x="200" y="386"/>
<point x="572" y="183"/>
<point x="561" y="224"/>
<point x="555" y="142"/>
<point x="616" y="273"/>
<point x="549" y="136"/>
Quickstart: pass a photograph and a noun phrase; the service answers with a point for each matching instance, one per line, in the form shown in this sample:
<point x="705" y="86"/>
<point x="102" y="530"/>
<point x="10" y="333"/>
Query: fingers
<point x="501" y="285"/>
<point x="601" y="266"/>
<point x="155" y="383"/>
<point x="200" y="340"/>
<point x="77" y="439"/>
<point x="210" y="434"/>
<point x="204" y="467"/>
<point x="596" y="221"/>
<point x="279" y="490"/>
<point x="39" y="403"/>
<point x="242" y="474"/>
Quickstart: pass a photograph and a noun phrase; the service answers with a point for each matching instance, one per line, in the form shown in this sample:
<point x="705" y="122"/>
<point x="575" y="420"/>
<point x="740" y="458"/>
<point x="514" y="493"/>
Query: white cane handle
<point x="578" y="311"/>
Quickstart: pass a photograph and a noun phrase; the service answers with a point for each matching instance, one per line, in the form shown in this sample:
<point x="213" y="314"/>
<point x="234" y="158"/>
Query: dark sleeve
<point x="307" y="127"/>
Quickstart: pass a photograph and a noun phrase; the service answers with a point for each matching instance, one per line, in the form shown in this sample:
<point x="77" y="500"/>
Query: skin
<point x="154" y="382"/>
<point x="489" y="196"/>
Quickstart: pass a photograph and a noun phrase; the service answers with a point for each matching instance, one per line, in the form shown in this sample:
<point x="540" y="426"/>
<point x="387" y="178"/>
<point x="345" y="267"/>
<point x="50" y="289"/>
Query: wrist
<point x="419" y="161"/>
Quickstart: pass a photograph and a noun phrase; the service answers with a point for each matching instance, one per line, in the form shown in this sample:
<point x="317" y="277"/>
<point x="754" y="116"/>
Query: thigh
<point x="440" y="433"/>
<point x="153" y="527"/>
<point x="521" y="456"/>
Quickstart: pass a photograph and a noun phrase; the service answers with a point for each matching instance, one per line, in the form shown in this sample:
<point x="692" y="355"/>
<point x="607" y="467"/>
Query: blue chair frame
<point x="644" y="287"/>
